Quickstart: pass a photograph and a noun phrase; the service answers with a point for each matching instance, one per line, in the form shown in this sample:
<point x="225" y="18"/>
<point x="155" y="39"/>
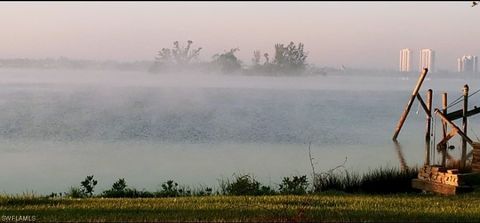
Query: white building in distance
<point x="427" y="59"/>
<point x="467" y="63"/>
<point x="405" y="65"/>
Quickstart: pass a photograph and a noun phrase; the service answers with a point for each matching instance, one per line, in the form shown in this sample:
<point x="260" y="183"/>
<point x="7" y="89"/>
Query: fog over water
<point x="57" y="126"/>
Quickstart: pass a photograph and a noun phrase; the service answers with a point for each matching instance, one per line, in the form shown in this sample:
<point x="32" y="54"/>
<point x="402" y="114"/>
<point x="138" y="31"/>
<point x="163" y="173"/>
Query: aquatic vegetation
<point x="381" y="180"/>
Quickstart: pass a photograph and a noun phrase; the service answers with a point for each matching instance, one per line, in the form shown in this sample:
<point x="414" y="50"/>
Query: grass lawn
<point x="323" y="207"/>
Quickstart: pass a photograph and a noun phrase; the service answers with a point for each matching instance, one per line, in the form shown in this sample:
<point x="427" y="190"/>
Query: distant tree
<point x="88" y="185"/>
<point x="120" y="185"/>
<point x="256" y="57"/>
<point x="177" y="57"/>
<point x="290" y="57"/>
<point x="227" y="62"/>
<point x="267" y="60"/>
<point x="172" y="189"/>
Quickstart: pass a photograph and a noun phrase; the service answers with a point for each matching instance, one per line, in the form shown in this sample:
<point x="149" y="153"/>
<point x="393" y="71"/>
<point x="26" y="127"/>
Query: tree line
<point x="288" y="59"/>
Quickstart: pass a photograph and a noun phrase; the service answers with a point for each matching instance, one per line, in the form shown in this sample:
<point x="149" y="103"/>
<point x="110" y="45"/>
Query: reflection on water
<point x="56" y="128"/>
<point x="401" y="158"/>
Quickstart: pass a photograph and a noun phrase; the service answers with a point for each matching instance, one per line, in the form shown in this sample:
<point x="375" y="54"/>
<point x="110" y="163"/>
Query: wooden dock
<point x="438" y="179"/>
<point x="476" y="158"/>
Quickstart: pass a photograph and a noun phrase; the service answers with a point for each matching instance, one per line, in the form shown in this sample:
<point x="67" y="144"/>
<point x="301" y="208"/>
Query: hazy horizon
<point x="354" y="34"/>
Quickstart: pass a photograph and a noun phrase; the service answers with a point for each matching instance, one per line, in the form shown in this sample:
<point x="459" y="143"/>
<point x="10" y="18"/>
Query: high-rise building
<point x="475" y="64"/>
<point x="467" y="63"/>
<point x="405" y="65"/>
<point x="427" y="59"/>
<point x="459" y="65"/>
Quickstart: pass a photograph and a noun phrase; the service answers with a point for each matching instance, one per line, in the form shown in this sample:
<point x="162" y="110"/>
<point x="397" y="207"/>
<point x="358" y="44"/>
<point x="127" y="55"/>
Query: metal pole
<point x="464" y="121"/>
<point x="409" y="104"/>
<point x="428" y="126"/>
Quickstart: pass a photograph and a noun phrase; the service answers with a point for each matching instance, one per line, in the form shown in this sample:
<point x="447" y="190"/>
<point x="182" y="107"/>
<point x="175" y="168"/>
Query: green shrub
<point x="75" y="192"/>
<point x="247" y="185"/>
<point x="297" y="185"/>
<point x="172" y="189"/>
<point x="202" y="191"/>
<point x="120" y="189"/>
<point x="266" y="190"/>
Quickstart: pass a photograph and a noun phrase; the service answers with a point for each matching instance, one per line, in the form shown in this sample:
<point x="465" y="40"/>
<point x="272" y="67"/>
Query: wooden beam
<point x="442" y="145"/>
<point x="464" y="122"/>
<point x="404" y="115"/>
<point x="459" y="131"/>
<point x="422" y="103"/>
<point x="459" y="113"/>
<point x="444" y="129"/>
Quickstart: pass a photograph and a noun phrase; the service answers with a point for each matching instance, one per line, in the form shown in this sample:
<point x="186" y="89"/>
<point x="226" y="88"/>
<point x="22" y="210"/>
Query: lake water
<point x="56" y="127"/>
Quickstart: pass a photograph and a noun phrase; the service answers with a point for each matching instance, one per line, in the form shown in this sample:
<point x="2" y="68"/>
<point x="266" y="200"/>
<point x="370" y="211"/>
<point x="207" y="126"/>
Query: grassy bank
<point x="321" y="207"/>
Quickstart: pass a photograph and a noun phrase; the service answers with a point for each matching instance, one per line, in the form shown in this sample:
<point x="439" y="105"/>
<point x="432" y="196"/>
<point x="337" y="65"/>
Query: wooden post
<point x="428" y="126"/>
<point x="444" y="128"/>
<point x="464" y="121"/>
<point x="409" y="104"/>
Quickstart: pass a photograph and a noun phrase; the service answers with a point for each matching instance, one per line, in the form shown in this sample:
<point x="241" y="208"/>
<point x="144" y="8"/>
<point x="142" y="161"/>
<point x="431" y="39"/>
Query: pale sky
<point x="356" y="34"/>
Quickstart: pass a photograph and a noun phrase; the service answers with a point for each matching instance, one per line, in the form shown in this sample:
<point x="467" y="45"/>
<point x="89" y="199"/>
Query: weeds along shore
<point x="383" y="180"/>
